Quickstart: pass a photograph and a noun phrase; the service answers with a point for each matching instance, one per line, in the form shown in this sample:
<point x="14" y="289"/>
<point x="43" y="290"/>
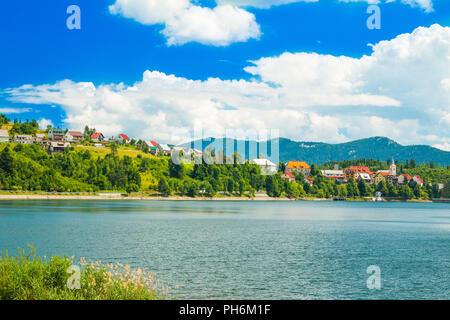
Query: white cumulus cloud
<point x="265" y="4"/>
<point x="397" y="91"/>
<point x="444" y="146"/>
<point x="426" y="5"/>
<point x="14" y="110"/>
<point x="185" y="22"/>
<point x="43" y="123"/>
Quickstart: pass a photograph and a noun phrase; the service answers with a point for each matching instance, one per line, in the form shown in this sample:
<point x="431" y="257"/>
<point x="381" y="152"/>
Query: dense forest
<point x="30" y="168"/>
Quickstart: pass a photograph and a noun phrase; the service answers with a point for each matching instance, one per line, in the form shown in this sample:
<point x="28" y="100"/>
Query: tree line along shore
<point x="27" y="169"/>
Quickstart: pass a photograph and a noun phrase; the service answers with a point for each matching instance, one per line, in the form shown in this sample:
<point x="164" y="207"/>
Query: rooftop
<point x="75" y="133"/>
<point x="297" y="165"/>
<point x="96" y="135"/>
<point x="289" y="174"/>
<point x="263" y="162"/>
<point x="124" y="136"/>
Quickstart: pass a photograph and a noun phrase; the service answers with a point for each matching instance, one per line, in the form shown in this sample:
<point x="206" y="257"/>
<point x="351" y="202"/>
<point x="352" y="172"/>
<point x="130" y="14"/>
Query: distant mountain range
<point x="378" y="148"/>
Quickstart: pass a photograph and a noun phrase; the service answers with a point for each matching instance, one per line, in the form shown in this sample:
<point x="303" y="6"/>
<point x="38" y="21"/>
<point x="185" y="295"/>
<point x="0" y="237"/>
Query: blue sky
<point x="118" y="47"/>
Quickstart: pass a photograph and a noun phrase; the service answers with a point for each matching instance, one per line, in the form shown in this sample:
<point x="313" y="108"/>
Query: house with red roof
<point x="354" y="172"/>
<point x="404" y="179"/>
<point x="123" y="139"/>
<point x="288" y="176"/>
<point x="153" y="147"/>
<point x="309" y="180"/>
<point x="418" y="180"/>
<point x="98" y="137"/>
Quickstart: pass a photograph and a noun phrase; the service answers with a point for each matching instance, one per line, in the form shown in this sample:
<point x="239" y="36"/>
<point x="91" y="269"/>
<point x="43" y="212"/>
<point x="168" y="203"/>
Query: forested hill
<point x="85" y="168"/>
<point x="378" y="148"/>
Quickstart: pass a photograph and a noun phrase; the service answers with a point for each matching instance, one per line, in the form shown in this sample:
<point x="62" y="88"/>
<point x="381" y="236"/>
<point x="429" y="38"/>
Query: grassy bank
<point x="28" y="277"/>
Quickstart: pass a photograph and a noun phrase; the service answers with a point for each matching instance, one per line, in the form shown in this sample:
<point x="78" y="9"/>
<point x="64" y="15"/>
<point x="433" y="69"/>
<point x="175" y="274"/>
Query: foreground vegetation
<point x="27" y="277"/>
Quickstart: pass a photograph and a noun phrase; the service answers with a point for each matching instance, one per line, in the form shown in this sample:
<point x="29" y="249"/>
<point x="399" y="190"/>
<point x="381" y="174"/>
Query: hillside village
<point x="357" y="173"/>
<point x="57" y="141"/>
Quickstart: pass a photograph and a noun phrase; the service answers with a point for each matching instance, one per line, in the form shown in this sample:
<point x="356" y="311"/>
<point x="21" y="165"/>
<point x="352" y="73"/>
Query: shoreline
<point x="6" y="197"/>
<point x="149" y="198"/>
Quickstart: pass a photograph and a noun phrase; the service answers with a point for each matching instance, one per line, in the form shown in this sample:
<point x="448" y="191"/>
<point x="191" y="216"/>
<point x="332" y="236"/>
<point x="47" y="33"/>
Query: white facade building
<point x="267" y="166"/>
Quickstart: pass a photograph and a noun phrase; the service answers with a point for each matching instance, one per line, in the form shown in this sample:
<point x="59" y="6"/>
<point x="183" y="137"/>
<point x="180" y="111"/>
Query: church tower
<point x="393" y="169"/>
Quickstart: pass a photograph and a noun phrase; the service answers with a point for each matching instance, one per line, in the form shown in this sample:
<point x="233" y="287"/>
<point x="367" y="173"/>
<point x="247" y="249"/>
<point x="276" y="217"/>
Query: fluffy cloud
<point x="185" y="22"/>
<point x="43" y="123"/>
<point x="445" y="83"/>
<point x="310" y="79"/>
<point x="445" y="146"/>
<point x="399" y="91"/>
<point x="264" y="4"/>
<point x="424" y="4"/>
<point x="14" y="110"/>
<point x="427" y="5"/>
<point x="412" y="69"/>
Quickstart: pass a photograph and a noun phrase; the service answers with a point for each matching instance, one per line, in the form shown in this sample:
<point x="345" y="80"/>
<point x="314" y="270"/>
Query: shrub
<point x="27" y="277"/>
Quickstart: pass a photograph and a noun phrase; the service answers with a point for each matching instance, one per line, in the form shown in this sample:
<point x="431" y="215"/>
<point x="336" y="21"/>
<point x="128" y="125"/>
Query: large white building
<point x="23" y="138"/>
<point x="333" y="173"/>
<point x="267" y="166"/>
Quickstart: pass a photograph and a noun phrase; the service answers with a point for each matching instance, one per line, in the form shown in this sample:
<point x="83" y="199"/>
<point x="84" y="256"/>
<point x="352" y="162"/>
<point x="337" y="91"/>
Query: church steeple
<point x="393" y="168"/>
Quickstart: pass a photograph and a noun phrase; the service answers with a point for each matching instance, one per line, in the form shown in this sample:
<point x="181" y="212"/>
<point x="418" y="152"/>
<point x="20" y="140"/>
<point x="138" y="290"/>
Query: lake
<point x="249" y="249"/>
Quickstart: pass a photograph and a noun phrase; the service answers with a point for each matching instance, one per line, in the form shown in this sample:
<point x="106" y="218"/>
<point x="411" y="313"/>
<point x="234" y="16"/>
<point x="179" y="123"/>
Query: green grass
<point x="28" y="277"/>
<point x="121" y="151"/>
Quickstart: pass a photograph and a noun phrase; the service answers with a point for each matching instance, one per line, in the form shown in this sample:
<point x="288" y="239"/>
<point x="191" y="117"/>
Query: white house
<point x="4" y="136"/>
<point x="58" y="146"/>
<point x="123" y="139"/>
<point x="23" y="138"/>
<point x="98" y="137"/>
<point x="267" y="166"/>
<point x="153" y="147"/>
<point x="363" y="176"/>
<point x="333" y="173"/>
<point x="165" y="148"/>
<point x="72" y="136"/>
<point x="418" y="180"/>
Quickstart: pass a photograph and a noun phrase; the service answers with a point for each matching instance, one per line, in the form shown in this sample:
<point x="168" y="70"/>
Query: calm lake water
<point x="250" y="250"/>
